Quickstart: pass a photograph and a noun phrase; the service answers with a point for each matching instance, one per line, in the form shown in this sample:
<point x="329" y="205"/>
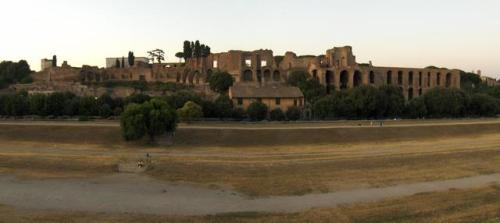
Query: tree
<point x="324" y="108"/>
<point x="205" y="51"/>
<point x="187" y="50"/>
<point x="152" y="118"/>
<point x="364" y="100"/>
<point x="442" y="102"/>
<point x="416" y="108"/>
<point x="55" y="104"/>
<point x="390" y="101"/>
<point x="131" y="59"/>
<point x="117" y="63"/>
<point x="293" y="113"/>
<point x="178" y="99"/>
<point x="179" y="55"/>
<point x="197" y="49"/>
<point x="220" y="82"/>
<point x="257" y="111"/>
<point x="157" y="54"/>
<point x="224" y="106"/>
<point x="312" y="90"/>
<point x="277" y="115"/>
<point x="483" y="105"/>
<point x="190" y="112"/>
<point x="54" y="61"/>
<point x="123" y="62"/>
<point x="296" y="78"/>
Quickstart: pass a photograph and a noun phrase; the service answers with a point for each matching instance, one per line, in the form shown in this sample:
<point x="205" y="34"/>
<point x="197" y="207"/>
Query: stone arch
<point x="420" y="79"/>
<point x="344" y="79"/>
<point x="429" y="79"/>
<point x="276" y="75"/>
<point x="197" y="77"/>
<point x="209" y="75"/>
<point x="410" y="78"/>
<point x="410" y="93"/>
<point x="438" y="79"/>
<point x="448" y="80"/>
<point x="247" y="75"/>
<point x="267" y="75"/>
<point x="420" y="92"/>
<point x="389" y="77"/>
<point x="357" y="81"/>
<point x="259" y="76"/>
<point x="185" y="76"/>
<point x="315" y="74"/>
<point x="400" y="77"/>
<point x="192" y="77"/>
<point x="372" y="77"/>
<point x="329" y="78"/>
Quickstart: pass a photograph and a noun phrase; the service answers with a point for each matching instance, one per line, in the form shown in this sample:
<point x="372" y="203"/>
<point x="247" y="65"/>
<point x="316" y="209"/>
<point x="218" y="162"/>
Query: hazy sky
<point x="461" y="34"/>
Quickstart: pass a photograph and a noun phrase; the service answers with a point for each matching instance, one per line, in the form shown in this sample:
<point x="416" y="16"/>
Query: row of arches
<point x="411" y="81"/>
<point x="344" y="79"/>
<point x="248" y="76"/>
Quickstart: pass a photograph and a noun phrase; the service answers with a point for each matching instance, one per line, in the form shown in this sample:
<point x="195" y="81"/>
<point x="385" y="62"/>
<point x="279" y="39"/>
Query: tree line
<point x="193" y="50"/>
<point x="14" y="73"/>
<point x="368" y="102"/>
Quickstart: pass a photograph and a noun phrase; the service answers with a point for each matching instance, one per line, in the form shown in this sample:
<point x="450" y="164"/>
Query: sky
<point x="462" y="34"/>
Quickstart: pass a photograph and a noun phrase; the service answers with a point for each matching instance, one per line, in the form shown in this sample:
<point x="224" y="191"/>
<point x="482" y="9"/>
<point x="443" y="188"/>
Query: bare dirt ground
<point x="126" y="193"/>
<point x="436" y="152"/>
<point x="453" y="206"/>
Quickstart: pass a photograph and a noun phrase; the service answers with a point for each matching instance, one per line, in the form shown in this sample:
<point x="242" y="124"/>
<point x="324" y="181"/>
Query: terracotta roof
<point x="243" y="91"/>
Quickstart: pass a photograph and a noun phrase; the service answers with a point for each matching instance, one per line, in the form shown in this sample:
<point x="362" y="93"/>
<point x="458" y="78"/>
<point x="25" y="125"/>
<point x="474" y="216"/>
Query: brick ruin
<point x="336" y="70"/>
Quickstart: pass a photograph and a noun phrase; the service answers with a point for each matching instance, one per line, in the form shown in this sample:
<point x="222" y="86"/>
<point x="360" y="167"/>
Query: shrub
<point x="224" y="106"/>
<point x="190" y="112"/>
<point x="293" y="113"/>
<point x="483" y="105"/>
<point x="277" y="115"/>
<point x="105" y="111"/>
<point x="152" y="118"/>
<point x="257" y="111"/>
<point x="239" y="114"/>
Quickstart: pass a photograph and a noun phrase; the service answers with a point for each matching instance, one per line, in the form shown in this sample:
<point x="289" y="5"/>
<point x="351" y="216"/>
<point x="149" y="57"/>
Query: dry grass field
<point x="351" y="159"/>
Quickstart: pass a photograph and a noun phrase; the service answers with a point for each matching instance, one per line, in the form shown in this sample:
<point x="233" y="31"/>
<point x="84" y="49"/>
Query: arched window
<point x="389" y="77"/>
<point x="276" y="76"/>
<point x="344" y="79"/>
<point x="448" y="80"/>
<point x="400" y="77"/>
<point x="372" y="77"/>
<point x="357" y="79"/>
<point x="248" y="75"/>
<point x="329" y="81"/>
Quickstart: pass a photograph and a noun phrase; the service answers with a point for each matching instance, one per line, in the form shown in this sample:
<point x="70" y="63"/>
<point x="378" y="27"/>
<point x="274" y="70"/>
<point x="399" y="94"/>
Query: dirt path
<point x="139" y="194"/>
<point x="268" y="126"/>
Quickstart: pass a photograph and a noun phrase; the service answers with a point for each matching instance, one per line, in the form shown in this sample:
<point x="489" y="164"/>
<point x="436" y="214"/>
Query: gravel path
<point x="140" y="194"/>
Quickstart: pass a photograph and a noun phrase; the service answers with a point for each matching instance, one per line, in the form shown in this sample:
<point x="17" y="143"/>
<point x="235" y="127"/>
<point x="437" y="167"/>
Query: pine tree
<point x="54" y="61"/>
<point x="187" y="50"/>
<point x="131" y="58"/>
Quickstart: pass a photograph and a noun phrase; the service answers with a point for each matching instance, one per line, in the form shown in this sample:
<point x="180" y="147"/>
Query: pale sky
<point x="462" y="34"/>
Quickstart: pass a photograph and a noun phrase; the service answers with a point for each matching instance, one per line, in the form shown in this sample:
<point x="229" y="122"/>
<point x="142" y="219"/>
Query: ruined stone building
<point x="337" y="70"/>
